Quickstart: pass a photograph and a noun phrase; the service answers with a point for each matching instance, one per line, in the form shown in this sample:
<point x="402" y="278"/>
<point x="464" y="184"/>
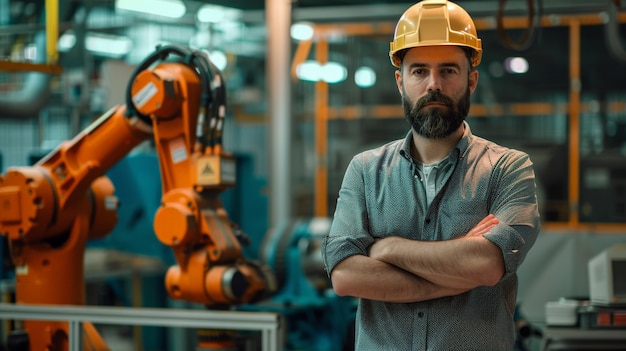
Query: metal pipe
<point x="28" y="101"/>
<point x="574" y="123"/>
<point x="52" y="30"/>
<point x="278" y="19"/>
<point x="321" y="134"/>
<point x="32" y="97"/>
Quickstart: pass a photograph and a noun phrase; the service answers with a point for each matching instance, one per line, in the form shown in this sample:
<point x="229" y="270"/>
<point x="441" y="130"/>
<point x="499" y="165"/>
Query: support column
<point x="278" y="22"/>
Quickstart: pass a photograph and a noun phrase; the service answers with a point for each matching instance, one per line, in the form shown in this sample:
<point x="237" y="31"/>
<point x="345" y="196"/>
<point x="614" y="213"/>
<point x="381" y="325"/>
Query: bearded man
<point x="429" y="230"/>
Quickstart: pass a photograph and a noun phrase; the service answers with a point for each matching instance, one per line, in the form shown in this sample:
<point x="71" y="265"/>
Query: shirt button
<point x="427" y="221"/>
<point x="420" y="314"/>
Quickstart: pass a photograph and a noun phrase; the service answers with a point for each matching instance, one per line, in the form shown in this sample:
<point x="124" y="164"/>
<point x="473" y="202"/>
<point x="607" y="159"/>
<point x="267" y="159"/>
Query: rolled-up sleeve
<point x="349" y="234"/>
<point x="515" y="205"/>
<point x="511" y="241"/>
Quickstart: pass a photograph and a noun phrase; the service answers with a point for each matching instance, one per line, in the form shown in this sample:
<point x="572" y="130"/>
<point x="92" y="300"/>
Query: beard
<point x="435" y="122"/>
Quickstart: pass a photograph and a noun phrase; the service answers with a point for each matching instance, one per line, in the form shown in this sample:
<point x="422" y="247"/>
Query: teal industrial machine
<point x="317" y="319"/>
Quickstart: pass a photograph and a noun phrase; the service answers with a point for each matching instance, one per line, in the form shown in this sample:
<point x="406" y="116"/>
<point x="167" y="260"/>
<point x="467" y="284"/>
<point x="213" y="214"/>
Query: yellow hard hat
<point x="435" y="22"/>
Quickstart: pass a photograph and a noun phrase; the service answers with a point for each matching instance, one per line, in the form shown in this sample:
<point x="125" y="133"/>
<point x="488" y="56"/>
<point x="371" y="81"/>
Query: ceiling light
<point x="217" y="14"/>
<point x="165" y="8"/>
<point x="333" y="72"/>
<point x="211" y="14"/>
<point x="516" y="65"/>
<point x="309" y="71"/>
<point x="312" y="71"/>
<point x="66" y="41"/>
<point x="302" y="31"/>
<point x="364" y="77"/>
<point x="107" y="45"/>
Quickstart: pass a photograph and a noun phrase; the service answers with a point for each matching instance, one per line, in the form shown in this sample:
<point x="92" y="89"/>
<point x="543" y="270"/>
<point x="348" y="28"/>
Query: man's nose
<point x="434" y="82"/>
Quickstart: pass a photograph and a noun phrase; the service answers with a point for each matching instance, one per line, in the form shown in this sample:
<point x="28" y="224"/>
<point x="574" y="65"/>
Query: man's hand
<point x="483" y="226"/>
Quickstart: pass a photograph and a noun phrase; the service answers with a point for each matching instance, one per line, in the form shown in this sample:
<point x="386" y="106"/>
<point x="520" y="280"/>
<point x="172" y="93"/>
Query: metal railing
<point x="267" y="323"/>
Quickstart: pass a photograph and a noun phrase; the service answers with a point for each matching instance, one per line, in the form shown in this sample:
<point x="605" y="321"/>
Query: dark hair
<point x="400" y="54"/>
<point x="470" y="54"/>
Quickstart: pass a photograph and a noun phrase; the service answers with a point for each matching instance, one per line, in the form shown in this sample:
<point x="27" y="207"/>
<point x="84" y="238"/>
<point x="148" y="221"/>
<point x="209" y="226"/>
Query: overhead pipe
<point x="33" y="95"/>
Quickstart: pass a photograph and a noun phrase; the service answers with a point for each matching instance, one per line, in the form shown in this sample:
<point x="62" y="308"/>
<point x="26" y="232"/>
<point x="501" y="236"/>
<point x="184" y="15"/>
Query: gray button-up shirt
<point x="380" y="196"/>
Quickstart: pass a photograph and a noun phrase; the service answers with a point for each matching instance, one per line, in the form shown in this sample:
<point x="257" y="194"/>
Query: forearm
<point x="463" y="263"/>
<point x="364" y="277"/>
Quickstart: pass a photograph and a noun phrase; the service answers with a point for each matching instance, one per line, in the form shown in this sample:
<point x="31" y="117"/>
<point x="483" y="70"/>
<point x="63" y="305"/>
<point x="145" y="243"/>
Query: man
<point x="429" y="230"/>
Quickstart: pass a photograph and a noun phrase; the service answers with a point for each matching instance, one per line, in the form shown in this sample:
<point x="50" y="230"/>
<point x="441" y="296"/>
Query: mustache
<point x="434" y="97"/>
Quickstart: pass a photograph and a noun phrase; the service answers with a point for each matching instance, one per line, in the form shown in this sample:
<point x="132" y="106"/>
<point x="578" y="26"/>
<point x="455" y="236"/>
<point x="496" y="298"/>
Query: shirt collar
<point x="457" y="152"/>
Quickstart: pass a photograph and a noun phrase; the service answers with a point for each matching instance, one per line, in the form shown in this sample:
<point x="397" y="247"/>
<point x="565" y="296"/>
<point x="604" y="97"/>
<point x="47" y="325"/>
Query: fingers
<point x="483" y="226"/>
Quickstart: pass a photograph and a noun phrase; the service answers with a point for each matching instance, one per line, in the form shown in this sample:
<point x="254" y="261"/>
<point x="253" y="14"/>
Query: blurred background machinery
<point x="315" y="317"/>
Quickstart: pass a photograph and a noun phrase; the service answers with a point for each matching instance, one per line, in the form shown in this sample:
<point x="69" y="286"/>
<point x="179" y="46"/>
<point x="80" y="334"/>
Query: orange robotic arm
<point x="194" y="171"/>
<point x="50" y="210"/>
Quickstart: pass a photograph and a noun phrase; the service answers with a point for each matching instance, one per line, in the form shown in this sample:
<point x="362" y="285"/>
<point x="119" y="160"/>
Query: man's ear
<point x="473" y="80"/>
<point x="399" y="81"/>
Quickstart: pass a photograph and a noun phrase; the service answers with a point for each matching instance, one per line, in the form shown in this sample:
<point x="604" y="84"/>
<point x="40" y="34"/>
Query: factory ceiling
<point x="548" y="56"/>
<point x="348" y="9"/>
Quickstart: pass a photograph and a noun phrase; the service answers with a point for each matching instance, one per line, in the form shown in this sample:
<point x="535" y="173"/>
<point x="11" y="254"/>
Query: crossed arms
<point x="404" y="270"/>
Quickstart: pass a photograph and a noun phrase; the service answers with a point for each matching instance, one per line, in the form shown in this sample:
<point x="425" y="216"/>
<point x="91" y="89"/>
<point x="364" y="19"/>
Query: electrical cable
<point x="612" y="32"/>
<point x="213" y="103"/>
<point x="530" y="36"/>
<point x="190" y="57"/>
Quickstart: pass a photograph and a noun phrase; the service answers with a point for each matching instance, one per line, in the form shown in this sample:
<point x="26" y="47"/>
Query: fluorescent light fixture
<point x="217" y="14"/>
<point x="309" y="71"/>
<point x="108" y="45"/>
<point x="364" y="77"/>
<point x="333" y="72"/>
<point x="66" y="41"/>
<point x="165" y="8"/>
<point x="211" y="14"/>
<point x="312" y="71"/>
<point x="302" y="31"/>
<point x="516" y="65"/>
